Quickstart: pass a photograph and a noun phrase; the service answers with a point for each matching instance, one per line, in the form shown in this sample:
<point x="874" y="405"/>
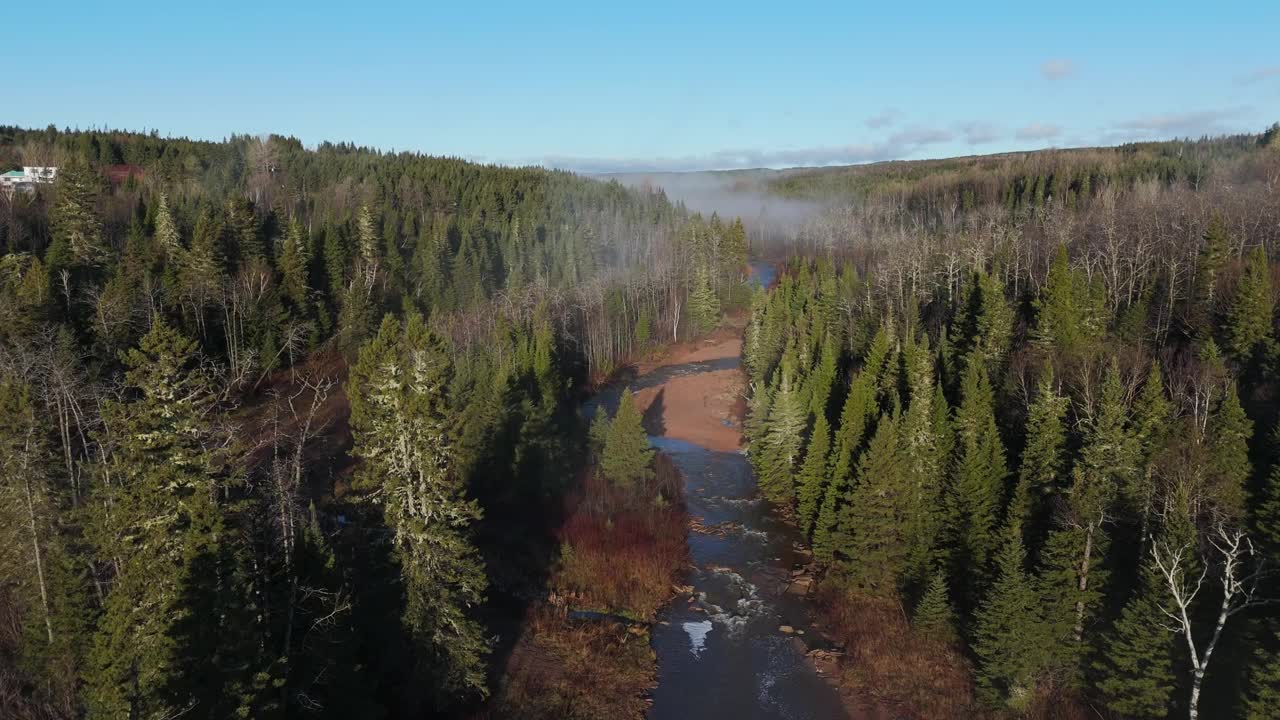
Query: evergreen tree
<point x="367" y="252"/>
<point x="977" y="484"/>
<point x="167" y="237"/>
<point x="292" y="263"/>
<point x="1009" y="640"/>
<point x="400" y="418"/>
<point x="1068" y="310"/>
<point x="77" y="233"/>
<point x="859" y="409"/>
<point x="1263" y="699"/>
<point x="1152" y="418"/>
<point x="921" y="463"/>
<point x="598" y="433"/>
<point x="1135" y="672"/>
<point x="823" y="378"/>
<point x="627" y="457"/>
<point x="872" y="533"/>
<point x="1265" y="504"/>
<point x="1072" y="574"/>
<point x="933" y="617"/>
<point x="787" y="421"/>
<point x="159" y="520"/>
<point x="812" y="481"/>
<point x="756" y="424"/>
<point x="704" y="306"/>
<point x="1042" y="458"/>
<point x="1228" y="470"/>
<point x="985" y="323"/>
<point x="243" y="236"/>
<point x="1250" y="318"/>
<point x="1212" y="260"/>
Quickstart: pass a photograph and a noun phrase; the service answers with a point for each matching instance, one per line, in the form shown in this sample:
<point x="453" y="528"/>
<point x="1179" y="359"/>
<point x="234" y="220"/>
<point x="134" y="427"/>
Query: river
<point x="721" y="650"/>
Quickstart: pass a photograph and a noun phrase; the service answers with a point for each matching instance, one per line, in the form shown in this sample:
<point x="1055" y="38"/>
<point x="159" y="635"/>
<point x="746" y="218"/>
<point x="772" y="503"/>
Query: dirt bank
<point x="702" y="408"/>
<point x="696" y="408"/>
<point x="724" y="342"/>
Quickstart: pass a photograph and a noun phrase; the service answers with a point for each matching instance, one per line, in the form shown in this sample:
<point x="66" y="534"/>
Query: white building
<point x="27" y="178"/>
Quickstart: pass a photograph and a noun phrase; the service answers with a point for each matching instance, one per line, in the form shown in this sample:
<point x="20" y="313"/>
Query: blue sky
<point x="602" y="86"/>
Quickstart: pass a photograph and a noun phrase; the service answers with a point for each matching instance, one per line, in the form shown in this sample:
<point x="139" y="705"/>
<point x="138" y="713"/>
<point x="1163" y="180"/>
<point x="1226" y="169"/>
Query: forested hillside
<point x="1031" y="400"/>
<point x="285" y="430"/>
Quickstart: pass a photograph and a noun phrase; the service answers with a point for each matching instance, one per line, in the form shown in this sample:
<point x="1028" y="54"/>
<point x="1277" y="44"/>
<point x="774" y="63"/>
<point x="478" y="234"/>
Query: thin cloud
<point x="1057" y="69"/>
<point x="885" y="118"/>
<point x="1038" y="131"/>
<point x="1205" y="122"/>
<point x="897" y="146"/>
<point x="979" y="133"/>
<point x="921" y="136"/>
<point x="1259" y="75"/>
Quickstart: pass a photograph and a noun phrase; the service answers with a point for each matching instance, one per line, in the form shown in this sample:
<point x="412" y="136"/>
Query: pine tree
<point x="1250" y="318"/>
<point x="921" y="463"/>
<point x="292" y="264"/>
<point x="859" y="409"/>
<point x="823" y="378"/>
<point x="1263" y="699"/>
<point x="160" y="521"/>
<point x="598" y="433"/>
<point x="934" y="618"/>
<point x="627" y="457"/>
<point x="1152" y="418"/>
<point x="1212" y="260"/>
<point x="367" y="253"/>
<point x="1042" y="458"/>
<point x="872" y="537"/>
<point x="704" y="306"/>
<point x="1073" y="576"/>
<point x="77" y="233"/>
<point x="1229" y="468"/>
<point x="401" y="420"/>
<point x="977" y="485"/>
<point x="1068" y="310"/>
<point x="1265" y="505"/>
<point x="1009" y="640"/>
<point x="756" y="424"/>
<point x="812" y="481"/>
<point x="787" y="421"/>
<point x="244" y="238"/>
<point x="985" y="322"/>
<point x="1135" y="672"/>
<point x="167" y="238"/>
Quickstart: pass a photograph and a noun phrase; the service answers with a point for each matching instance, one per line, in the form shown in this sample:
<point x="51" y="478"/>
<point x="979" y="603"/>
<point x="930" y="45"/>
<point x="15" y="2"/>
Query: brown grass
<point x="575" y="670"/>
<point x="621" y="552"/>
<point x="889" y="664"/>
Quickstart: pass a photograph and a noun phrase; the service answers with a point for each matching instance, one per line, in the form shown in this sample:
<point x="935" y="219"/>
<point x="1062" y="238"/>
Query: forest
<point x="288" y="432"/>
<point x="315" y="432"/>
<point x="1024" y="407"/>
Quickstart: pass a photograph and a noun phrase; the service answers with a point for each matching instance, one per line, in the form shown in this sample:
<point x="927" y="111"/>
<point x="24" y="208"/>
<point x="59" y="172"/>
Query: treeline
<point x="1063" y="467"/>
<point x="937" y="190"/>
<point x="206" y="511"/>
<point x="267" y="247"/>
